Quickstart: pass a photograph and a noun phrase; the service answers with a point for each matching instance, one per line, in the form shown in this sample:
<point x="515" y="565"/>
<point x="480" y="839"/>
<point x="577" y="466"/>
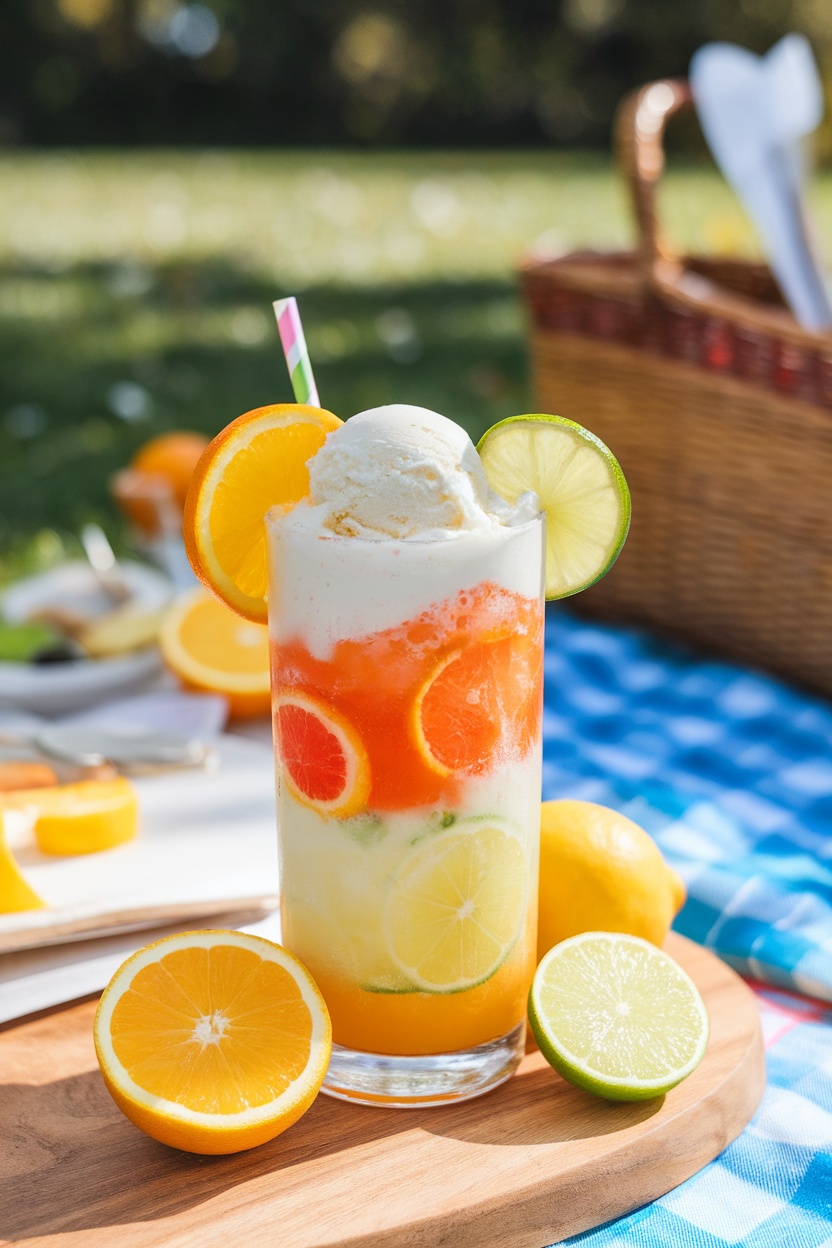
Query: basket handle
<point x="639" y="133"/>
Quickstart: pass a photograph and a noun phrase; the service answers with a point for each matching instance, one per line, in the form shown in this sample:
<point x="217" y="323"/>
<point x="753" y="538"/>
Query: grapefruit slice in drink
<point x="324" y="763"/>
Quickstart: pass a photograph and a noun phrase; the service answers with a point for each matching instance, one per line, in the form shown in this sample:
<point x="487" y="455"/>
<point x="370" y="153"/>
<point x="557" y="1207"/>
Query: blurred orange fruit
<point x="256" y="463"/>
<point x="147" y="500"/>
<point x="23" y="775"/>
<point x="152" y="491"/>
<point x="213" y="1041"/>
<point x="212" y="650"/>
<point x="173" y="456"/>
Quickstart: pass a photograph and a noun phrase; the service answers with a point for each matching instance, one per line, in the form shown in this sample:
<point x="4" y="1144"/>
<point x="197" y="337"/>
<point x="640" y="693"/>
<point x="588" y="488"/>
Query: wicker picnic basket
<point x="719" y="408"/>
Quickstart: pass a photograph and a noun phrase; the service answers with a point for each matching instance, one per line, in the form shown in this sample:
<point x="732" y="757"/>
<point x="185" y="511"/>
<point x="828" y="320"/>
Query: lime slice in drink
<point x="456" y="906"/>
<point x="580" y="486"/>
<point x="616" y="1016"/>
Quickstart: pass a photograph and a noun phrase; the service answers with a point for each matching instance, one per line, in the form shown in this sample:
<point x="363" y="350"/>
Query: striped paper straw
<point x="294" y="348"/>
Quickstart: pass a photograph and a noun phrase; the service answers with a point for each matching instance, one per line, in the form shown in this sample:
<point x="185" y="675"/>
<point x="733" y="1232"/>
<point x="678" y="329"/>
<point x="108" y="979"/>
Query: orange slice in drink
<point x="214" y="1041"/>
<point x="257" y="462"/>
<point x="324" y="763"/>
<point x="212" y="650"/>
<point x="475" y="698"/>
<point x="457" y="717"/>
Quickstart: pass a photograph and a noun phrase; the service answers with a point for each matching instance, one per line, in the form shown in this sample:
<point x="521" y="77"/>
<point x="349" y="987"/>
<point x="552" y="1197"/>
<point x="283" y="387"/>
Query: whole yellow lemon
<point x="599" y="871"/>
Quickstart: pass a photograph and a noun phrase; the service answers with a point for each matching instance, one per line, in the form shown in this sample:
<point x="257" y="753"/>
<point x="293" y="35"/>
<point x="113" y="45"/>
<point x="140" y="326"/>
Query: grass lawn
<point x="135" y="295"/>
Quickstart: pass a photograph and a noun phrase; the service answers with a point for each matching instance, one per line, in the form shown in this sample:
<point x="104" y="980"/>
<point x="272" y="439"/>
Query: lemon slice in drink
<point x="580" y="486"/>
<point x="616" y="1016"/>
<point x="456" y="905"/>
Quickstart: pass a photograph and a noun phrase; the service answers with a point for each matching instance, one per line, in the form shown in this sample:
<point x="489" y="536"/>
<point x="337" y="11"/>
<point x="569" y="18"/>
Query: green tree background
<point x="378" y="72"/>
<point x="389" y="161"/>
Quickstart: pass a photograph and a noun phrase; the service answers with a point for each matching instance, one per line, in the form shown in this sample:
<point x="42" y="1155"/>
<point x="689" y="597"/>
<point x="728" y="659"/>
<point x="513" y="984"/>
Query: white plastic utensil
<point x="104" y="564"/>
<point x="130" y="752"/>
<point x="755" y="113"/>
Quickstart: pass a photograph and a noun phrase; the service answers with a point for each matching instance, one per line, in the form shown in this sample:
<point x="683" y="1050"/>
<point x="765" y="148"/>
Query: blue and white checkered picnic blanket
<point x="731" y="772"/>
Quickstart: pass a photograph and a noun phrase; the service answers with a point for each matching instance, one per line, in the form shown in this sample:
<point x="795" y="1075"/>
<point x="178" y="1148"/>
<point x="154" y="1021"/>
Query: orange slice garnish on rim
<point x="474" y="700"/>
<point x="259" y="461"/>
<point x="212" y="1041"/>
<point x="323" y="760"/>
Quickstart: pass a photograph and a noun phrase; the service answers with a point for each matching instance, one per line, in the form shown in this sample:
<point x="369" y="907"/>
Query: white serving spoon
<point x="755" y="113"/>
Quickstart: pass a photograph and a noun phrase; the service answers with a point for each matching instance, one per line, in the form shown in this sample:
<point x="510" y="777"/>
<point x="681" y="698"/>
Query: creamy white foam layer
<point x="326" y="588"/>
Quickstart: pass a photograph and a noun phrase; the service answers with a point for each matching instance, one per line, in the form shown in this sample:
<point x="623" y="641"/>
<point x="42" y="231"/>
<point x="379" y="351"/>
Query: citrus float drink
<point x="407" y="688"/>
<point x="402" y="573"/>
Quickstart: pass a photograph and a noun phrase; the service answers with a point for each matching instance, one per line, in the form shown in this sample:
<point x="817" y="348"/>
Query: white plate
<point x="60" y="688"/>
<point x="207" y="843"/>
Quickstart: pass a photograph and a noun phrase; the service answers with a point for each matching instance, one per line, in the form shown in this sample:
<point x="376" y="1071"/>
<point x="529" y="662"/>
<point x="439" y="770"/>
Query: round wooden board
<point x="528" y="1165"/>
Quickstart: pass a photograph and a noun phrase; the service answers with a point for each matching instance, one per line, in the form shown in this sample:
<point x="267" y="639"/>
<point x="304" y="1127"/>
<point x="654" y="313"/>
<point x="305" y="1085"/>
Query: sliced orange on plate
<point x="24" y="775"/>
<point x="475" y="699"/>
<point x="212" y="1041"/>
<point x="259" y="461"/>
<point x="81" y="818"/>
<point x="323" y="761"/>
<point x="15" y="893"/>
<point x="212" y="650"/>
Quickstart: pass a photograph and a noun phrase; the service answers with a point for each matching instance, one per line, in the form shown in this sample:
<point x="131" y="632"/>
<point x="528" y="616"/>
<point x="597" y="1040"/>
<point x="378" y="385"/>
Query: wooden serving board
<point x="529" y="1164"/>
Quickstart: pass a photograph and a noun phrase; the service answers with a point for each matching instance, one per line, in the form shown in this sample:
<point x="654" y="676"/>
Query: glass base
<point x="435" y="1079"/>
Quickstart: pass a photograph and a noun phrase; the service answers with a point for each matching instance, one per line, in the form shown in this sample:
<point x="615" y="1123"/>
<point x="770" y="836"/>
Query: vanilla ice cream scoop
<point x="401" y="472"/>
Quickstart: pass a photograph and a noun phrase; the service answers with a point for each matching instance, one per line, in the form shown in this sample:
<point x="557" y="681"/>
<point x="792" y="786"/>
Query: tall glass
<point x="407" y="690"/>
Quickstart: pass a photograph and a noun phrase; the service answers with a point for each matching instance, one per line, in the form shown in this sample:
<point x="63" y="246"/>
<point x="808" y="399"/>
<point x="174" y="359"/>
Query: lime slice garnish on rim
<point x="456" y="906"/>
<point x="580" y="486"/>
<point x="616" y="1016"/>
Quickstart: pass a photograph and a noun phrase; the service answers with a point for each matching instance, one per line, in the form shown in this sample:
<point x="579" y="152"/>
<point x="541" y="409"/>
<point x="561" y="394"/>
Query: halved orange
<point x="323" y="760"/>
<point x="212" y="1041"/>
<point x="212" y="650"/>
<point x="475" y="698"/>
<point x="257" y="462"/>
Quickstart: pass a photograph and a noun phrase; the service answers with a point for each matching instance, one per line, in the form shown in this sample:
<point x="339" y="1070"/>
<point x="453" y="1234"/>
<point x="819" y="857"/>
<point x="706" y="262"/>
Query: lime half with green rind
<point x="616" y="1016"/>
<point x="580" y="487"/>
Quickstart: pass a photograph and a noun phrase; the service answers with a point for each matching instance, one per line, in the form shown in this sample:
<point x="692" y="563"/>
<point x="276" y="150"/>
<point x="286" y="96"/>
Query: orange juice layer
<point x="412" y="1023"/>
<point x="401" y="691"/>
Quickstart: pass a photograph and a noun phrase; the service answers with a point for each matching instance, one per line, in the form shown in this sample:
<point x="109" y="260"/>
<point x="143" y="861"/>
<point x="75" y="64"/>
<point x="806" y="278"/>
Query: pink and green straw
<point x="295" y="350"/>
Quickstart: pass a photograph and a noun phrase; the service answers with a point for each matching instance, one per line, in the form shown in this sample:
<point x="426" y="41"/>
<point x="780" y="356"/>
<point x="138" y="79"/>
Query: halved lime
<point x="616" y="1016"/>
<point x="580" y="486"/>
<point x="456" y="906"/>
